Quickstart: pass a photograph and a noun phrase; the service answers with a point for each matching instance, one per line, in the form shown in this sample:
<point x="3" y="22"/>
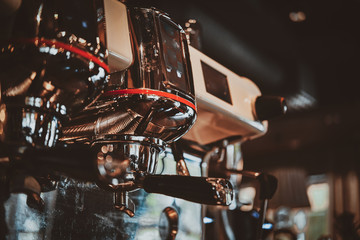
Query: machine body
<point x="102" y="105"/>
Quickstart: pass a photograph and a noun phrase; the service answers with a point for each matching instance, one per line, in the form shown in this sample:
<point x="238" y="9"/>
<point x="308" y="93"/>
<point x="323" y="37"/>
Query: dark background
<point x="314" y="64"/>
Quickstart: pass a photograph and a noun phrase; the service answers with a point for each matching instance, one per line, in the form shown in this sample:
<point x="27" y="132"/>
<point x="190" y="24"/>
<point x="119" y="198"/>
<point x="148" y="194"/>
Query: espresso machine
<point x="113" y="127"/>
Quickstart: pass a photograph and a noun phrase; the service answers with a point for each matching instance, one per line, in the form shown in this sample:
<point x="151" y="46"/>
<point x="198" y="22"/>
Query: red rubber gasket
<point x="67" y="47"/>
<point x="150" y="92"/>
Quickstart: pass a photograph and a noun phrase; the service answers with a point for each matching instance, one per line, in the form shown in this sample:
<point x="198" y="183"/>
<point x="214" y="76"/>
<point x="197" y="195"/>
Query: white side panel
<point x="117" y="36"/>
<point x="218" y="119"/>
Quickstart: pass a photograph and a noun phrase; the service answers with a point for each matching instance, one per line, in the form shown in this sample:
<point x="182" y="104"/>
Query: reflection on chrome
<point x="86" y="137"/>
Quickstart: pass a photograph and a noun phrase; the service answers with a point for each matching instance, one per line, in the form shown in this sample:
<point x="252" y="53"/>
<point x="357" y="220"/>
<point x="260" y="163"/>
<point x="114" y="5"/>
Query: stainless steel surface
<point x="223" y="156"/>
<point x="53" y="66"/>
<point x="145" y="107"/>
<point x="155" y="96"/>
<point x="181" y="168"/>
<point x="33" y="123"/>
<point x="168" y="224"/>
<point x="161" y="57"/>
<point x="123" y="203"/>
<point x="178" y="153"/>
<point x="223" y="191"/>
<point x="131" y="114"/>
<point x="120" y="160"/>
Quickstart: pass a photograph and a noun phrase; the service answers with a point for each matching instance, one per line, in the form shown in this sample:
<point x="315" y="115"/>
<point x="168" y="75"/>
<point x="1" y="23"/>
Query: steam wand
<point x="223" y="165"/>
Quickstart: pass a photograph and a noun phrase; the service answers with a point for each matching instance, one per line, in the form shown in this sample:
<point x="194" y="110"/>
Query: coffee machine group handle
<point x="211" y="191"/>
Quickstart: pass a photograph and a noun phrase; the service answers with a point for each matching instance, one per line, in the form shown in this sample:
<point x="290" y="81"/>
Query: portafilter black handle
<point x="211" y="191"/>
<point x="77" y="161"/>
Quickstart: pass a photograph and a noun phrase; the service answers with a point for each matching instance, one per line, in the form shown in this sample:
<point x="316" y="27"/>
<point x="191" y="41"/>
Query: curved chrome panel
<point x="120" y="159"/>
<point x="52" y="67"/>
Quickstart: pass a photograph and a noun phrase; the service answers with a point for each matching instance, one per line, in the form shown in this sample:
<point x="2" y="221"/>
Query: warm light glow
<point x="4" y="159"/>
<point x="247" y="196"/>
<point x="267" y="226"/>
<point x="104" y="149"/>
<point x="298" y="16"/>
<point x="300" y="101"/>
<point x="82" y="41"/>
<point x="39" y="13"/>
<point x="2" y="113"/>
<point x="207" y="220"/>
<point x="318" y="195"/>
<point x="300" y="220"/>
<point x="48" y="86"/>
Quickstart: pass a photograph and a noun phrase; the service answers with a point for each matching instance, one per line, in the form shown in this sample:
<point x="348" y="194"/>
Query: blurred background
<point x="309" y="52"/>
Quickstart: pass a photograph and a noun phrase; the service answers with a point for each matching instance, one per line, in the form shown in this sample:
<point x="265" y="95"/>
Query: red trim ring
<point x="150" y="92"/>
<point x="70" y="48"/>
